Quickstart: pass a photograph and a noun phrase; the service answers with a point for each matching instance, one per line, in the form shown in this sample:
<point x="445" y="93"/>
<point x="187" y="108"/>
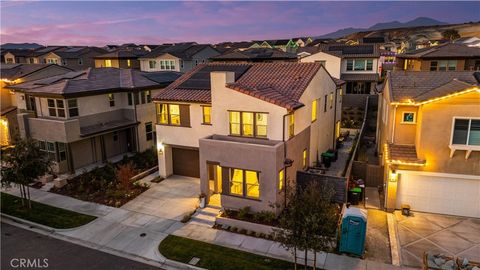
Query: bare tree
<point x="22" y="165"/>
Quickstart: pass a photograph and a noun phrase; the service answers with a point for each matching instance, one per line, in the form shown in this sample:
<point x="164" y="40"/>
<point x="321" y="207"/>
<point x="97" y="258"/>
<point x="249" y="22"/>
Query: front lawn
<point x="111" y="184"/>
<point x="40" y="213"/>
<point x="215" y="257"/>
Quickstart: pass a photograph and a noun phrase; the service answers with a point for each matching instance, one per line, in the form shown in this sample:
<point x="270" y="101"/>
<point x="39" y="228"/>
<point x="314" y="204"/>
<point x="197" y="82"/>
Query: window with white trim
<point x="111" y="99"/>
<point x="152" y="64"/>
<point x="359" y="64"/>
<point x="167" y="64"/>
<point x="408" y="118"/>
<point x="466" y="132"/>
<point x="72" y="107"/>
<point x="149" y="131"/>
<point x="56" y="107"/>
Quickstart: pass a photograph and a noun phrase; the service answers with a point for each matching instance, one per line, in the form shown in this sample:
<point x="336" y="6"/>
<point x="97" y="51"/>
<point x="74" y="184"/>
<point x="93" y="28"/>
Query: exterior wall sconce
<point x="160" y="148"/>
<point x="393" y="176"/>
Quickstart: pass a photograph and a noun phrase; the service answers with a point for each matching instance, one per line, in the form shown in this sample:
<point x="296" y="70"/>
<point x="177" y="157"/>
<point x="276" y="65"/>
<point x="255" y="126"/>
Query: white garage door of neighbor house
<point x="439" y="194"/>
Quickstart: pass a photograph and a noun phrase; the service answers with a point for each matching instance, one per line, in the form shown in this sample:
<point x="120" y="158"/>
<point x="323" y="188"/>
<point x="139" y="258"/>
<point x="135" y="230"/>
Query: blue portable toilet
<point x="353" y="231"/>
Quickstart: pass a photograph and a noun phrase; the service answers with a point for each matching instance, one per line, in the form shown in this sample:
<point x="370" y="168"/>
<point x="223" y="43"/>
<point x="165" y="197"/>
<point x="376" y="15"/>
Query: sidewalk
<point x="138" y="234"/>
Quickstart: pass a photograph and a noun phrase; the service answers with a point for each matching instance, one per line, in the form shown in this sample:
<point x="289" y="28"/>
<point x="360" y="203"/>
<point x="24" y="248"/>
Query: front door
<point x="215" y="178"/>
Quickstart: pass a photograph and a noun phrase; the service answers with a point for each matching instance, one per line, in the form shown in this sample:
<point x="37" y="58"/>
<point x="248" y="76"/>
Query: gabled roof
<point x="12" y="72"/>
<point x="255" y="54"/>
<point x="280" y="83"/>
<point x="402" y="154"/>
<point x="19" y="52"/>
<point x="420" y="86"/>
<point x="444" y="50"/>
<point x="183" y="51"/>
<point x="123" y="54"/>
<point x="94" y="81"/>
<point x="45" y="50"/>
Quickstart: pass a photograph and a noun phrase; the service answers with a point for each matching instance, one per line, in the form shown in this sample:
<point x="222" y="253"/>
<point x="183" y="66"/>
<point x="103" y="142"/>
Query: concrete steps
<point x="205" y="216"/>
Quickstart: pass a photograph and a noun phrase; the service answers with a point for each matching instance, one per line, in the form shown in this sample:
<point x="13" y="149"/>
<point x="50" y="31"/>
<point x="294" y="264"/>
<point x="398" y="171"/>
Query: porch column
<point x="71" y="166"/>
<point x="165" y="162"/>
<point x="102" y="148"/>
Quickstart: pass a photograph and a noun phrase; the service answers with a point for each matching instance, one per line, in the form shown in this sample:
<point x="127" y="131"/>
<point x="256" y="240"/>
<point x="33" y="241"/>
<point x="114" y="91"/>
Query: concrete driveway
<point x="171" y="199"/>
<point x="449" y="235"/>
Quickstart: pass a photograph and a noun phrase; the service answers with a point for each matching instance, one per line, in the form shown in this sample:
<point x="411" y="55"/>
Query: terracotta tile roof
<point x="403" y="154"/>
<point x="420" y="86"/>
<point x="280" y="83"/>
<point x="338" y="82"/>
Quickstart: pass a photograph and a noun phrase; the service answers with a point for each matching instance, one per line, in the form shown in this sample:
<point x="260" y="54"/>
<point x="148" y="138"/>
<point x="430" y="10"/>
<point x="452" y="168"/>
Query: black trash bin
<point x="354" y="196"/>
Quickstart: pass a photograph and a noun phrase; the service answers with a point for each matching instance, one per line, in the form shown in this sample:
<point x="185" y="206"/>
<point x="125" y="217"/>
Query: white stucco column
<point x="165" y="164"/>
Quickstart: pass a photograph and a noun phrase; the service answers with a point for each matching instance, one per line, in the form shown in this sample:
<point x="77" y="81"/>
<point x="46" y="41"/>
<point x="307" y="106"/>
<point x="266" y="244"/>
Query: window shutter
<point x="185" y="115"/>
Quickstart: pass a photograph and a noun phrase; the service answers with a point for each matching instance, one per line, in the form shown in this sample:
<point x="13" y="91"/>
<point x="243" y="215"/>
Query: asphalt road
<point x="17" y="244"/>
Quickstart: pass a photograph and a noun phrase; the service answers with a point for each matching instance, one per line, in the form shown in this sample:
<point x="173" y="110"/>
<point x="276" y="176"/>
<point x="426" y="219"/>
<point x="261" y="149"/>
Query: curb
<point x="45" y="230"/>
<point x="394" y="243"/>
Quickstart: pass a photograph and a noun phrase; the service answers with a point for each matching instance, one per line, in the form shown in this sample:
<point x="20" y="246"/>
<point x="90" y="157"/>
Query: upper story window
<point x="331" y="100"/>
<point x="207" y="115"/>
<point x="56" y="107"/>
<point x="141" y="97"/>
<point x="359" y="64"/>
<point x="248" y="124"/>
<point x="129" y="63"/>
<point x="52" y="61"/>
<point x="304" y="158"/>
<point x="408" y="118"/>
<point x="111" y="99"/>
<point x="173" y="114"/>
<point x="149" y="133"/>
<point x="466" y="132"/>
<point x="108" y="63"/>
<point x="80" y="61"/>
<point x="443" y="65"/>
<point x="314" y="110"/>
<point x="291" y="126"/>
<point x="72" y="107"/>
<point x="281" y="179"/>
<point x="167" y="64"/>
<point x="152" y="64"/>
<point x="9" y="61"/>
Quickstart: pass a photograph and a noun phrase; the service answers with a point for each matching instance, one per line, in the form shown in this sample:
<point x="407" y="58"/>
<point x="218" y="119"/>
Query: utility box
<point x="353" y="231"/>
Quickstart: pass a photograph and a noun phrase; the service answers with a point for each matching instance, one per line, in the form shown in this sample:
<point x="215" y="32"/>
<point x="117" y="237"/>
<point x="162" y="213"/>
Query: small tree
<point x="450" y="34"/>
<point x="22" y="165"/>
<point x="124" y="173"/>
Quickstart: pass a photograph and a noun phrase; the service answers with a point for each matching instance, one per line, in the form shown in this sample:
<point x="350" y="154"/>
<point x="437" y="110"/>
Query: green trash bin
<point x="354" y="195"/>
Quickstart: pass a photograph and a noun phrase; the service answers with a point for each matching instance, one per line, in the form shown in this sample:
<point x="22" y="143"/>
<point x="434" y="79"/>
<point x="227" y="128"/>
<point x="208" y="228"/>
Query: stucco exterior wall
<point x="332" y="63"/>
<point x="405" y="132"/>
<point x="145" y="63"/>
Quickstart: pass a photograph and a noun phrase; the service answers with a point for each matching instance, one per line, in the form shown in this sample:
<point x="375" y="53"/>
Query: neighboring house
<point x="120" y="58"/>
<point x="448" y="56"/>
<point x="286" y="45"/>
<point x="43" y="56"/>
<point x="255" y="55"/>
<point x="469" y="41"/>
<point x="235" y="126"/>
<point x="357" y="65"/>
<point x="11" y="74"/>
<point x="302" y="41"/>
<point x="231" y="46"/>
<point x="87" y="117"/>
<point x="429" y="135"/>
<point x="178" y="57"/>
<point x="76" y="58"/>
<point x="18" y="56"/>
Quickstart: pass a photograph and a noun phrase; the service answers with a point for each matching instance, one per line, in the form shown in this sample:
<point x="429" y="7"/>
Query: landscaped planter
<point x="144" y="173"/>
<point x="244" y="225"/>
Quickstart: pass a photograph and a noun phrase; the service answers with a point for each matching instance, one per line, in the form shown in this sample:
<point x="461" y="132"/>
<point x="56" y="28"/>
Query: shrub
<point x="243" y="212"/>
<point x="264" y="217"/>
<point x="124" y="174"/>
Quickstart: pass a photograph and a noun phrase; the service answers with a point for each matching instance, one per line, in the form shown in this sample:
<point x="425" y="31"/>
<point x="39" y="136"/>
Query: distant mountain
<point x="420" y="21"/>
<point x="11" y="46"/>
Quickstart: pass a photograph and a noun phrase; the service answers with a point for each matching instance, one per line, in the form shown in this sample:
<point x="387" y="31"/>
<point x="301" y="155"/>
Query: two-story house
<point x="124" y="57"/>
<point x="11" y="74"/>
<point x="177" y="57"/>
<point x="286" y="45"/>
<point x="357" y="65"/>
<point x="246" y="129"/>
<point x="254" y="55"/>
<point x="76" y="58"/>
<point x="445" y="57"/>
<point x="87" y="117"/>
<point x="429" y="135"/>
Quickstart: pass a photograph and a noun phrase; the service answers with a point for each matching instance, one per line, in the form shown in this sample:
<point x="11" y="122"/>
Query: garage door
<point x="439" y="194"/>
<point x="186" y="162"/>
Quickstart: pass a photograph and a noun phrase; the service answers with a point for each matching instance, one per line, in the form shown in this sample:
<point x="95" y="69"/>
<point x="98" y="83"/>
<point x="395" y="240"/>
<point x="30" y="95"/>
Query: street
<point x="21" y="248"/>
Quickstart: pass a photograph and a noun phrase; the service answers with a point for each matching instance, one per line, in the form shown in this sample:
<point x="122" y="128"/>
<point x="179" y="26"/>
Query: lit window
<point x="148" y="94"/>
<point x="281" y="179"/>
<point x="207" y="114"/>
<point x="149" y="131"/>
<point x="234" y="123"/>
<point x="174" y="112"/>
<point x="236" y="181"/>
<point x="331" y="100"/>
<point x="129" y="63"/>
<point x="304" y="159"/>
<point x="261" y="123"/>
<point x="111" y="99"/>
<point x="408" y="118"/>
<point x="314" y="110"/>
<point x="291" y="126"/>
<point x="108" y="63"/>
<point x="72" y="107"/>
<point x="466" y="132"/>
<point x="247" y="124"/>
<point x="251" y="182"/>
<point x="162" y="113"/>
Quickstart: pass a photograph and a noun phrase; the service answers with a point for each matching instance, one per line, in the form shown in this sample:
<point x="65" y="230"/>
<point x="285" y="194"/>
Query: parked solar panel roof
<point x="201" y="79"/>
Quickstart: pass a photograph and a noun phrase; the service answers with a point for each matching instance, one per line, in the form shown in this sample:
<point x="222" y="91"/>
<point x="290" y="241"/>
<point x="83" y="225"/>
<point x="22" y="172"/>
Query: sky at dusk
<point x="116" y="22"/>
